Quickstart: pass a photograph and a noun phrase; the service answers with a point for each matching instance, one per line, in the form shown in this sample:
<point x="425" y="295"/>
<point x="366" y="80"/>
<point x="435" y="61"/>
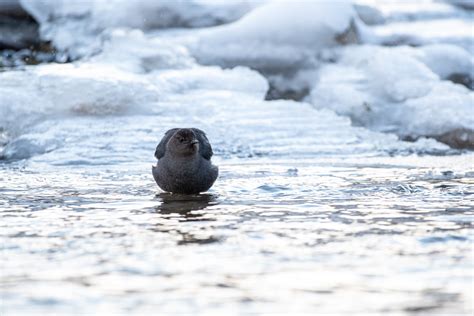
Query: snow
<point x="446" y="60"/>
<point x="450" y="31"/>
<point x="277" y="35"/>
<point x="398" y="11"/>
<point x="74" y="110"/>
<point x="392" y="89"/>
<point x="88" y="19"/>
<point x="415" y="23"/>
<point x="130" y="67"/>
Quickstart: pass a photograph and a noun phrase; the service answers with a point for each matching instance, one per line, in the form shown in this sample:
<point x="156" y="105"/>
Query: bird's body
<point x="184" y="162"/>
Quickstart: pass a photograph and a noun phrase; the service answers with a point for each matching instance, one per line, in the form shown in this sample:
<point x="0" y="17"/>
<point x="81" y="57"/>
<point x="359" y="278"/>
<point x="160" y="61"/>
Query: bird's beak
<point x="194" y="142"/>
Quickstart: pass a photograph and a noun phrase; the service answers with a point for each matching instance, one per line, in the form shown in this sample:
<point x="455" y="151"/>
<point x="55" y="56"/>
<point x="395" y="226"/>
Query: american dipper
<point x="184" y="162"/>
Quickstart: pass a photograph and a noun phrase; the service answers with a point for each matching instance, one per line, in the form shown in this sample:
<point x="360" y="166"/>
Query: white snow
<point x="392" y="89"/>
<point x="76" y="26"/>
<point x="397" y="10"/>
<point x="128" y="70"/>
<point x="446" y="60"/>
<point x="94" y="101"/>
<point x="277" y="35"/>
<point x="450" y="31"/>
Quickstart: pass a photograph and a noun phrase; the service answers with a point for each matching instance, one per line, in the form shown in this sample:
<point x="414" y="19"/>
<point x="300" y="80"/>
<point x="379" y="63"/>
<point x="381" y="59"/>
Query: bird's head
<point x="183" y="143"/>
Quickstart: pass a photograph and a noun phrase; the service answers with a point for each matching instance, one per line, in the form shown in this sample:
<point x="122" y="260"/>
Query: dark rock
<point x="462" y="138"/>
<point x="464" y="79"/>
<point x="18" y="32"/>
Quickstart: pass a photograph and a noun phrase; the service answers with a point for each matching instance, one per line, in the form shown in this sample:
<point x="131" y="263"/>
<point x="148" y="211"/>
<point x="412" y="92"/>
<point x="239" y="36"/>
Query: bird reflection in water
<point x="184" y="205"/>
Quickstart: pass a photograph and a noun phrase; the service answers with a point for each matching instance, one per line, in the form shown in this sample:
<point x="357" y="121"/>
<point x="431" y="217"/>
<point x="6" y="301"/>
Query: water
<point x="273" y="235"/>
<point x="310" y="214"/>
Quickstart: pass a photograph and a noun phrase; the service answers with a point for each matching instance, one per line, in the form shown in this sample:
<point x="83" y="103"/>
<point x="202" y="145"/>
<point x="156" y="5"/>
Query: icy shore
<point x="301" y="49"/>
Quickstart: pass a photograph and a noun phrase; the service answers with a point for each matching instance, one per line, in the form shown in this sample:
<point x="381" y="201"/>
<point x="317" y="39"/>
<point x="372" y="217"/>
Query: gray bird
<point x="184" y="162"/>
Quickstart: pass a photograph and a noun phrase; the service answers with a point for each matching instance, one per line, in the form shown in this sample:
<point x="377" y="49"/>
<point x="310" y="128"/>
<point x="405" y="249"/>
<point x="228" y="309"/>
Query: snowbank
<point x="75" y="26"/>
<point x="278" y="36"/>
<point x="415" y="23"/>
<point x="128" y="73"/>
<point x="399" y="90"/>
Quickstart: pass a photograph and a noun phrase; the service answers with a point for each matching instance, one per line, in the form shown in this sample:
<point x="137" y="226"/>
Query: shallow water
<point x="330" y="233"/>
<point x="309" y="214"/>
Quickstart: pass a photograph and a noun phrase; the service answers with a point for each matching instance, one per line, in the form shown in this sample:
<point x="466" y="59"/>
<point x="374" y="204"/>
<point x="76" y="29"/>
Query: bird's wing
<point x="161" y="148"/>
<point x="205" y="148"/>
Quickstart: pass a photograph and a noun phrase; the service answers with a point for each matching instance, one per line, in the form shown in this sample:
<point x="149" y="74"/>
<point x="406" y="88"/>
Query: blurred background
<point x="343" y="131"/>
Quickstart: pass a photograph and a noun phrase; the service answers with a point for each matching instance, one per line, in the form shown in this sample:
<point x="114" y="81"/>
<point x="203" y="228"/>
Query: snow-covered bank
<point x="278" y="36"/>
<point x="72" y="108"/>
<point x="408" y="91"/>
<point x="76" y="26"/>
<point x="284" y="41"/>
<point x="400" y="90"/>
<point x="301" y="48"/>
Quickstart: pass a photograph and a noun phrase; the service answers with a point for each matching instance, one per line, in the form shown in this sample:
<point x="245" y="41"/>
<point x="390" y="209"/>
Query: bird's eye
<point x="181" y="139"/>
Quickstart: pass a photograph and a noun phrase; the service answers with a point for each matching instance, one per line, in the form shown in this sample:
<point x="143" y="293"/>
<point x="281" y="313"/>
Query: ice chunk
<point x="392" y="90"/>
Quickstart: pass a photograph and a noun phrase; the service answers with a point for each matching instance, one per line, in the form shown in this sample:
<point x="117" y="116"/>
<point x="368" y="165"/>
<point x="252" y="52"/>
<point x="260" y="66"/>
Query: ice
<point x="63" y="110"/>
<point x="75" y="26"/>
<point x="135" y="73"/>
<point x="392" y="89"/>
<point x="123" y="80"/>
